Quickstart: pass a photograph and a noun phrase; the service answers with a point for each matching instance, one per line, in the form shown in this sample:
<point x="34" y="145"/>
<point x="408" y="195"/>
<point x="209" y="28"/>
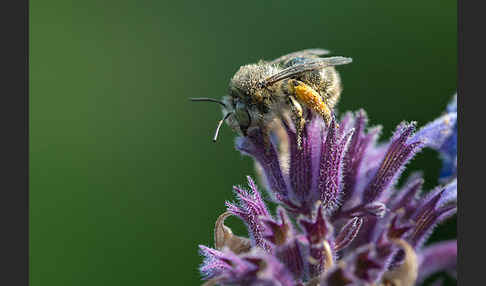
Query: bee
<point x="295" y="84"/>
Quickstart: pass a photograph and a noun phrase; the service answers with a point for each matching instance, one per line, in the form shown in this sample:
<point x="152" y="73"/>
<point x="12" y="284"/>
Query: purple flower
<point x="341" y="219"/>
<point x="448" y="149"/>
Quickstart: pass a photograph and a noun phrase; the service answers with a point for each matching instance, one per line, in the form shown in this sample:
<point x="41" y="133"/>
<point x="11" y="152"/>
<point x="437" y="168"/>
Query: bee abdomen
<point x="330" y="88"/>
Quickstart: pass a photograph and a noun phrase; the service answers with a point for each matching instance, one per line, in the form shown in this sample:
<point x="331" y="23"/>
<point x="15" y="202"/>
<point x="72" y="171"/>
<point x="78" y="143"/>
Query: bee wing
<point x="302" y="53"/>
<point x="308" y="65"/>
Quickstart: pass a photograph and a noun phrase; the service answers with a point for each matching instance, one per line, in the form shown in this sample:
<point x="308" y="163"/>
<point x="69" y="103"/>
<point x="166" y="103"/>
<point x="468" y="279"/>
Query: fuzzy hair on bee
<point x="291" y="86"/>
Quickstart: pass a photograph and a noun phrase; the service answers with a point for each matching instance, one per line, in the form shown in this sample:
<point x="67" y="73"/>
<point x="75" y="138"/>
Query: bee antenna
<point x="208" y="99"/>
<point x="220" y="123"/>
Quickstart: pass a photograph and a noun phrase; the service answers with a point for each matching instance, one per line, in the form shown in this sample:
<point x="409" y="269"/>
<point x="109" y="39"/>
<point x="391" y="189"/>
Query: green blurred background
<point x="125" y="181"/>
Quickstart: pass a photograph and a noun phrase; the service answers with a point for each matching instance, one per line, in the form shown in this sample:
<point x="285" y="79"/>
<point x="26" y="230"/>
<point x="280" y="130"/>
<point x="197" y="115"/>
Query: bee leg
<point x="310" y="98"/>
<point x="298" y="118"/>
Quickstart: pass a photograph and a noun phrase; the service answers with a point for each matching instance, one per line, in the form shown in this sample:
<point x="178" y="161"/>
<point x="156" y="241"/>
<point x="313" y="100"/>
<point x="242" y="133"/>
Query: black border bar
<point x="471" y="142"/>
<point x="14" y="200"/>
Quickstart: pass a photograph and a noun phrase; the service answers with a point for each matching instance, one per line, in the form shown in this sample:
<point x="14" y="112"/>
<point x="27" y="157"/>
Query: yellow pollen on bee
<point x="312" y="99"/>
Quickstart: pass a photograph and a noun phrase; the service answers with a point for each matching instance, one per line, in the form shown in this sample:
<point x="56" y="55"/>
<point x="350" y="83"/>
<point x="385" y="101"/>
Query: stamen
<point x="405" y="274"/>
<point x="327" y="255"/>
<point x="328" y="263"/>
<point x="224" y="237"/>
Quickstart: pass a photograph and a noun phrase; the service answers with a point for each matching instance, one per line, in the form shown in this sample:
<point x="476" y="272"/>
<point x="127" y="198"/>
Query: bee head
<point x="247" y="81"/>
<point x="235" y="112"/>
<point x="240" y="118"/>
<point x="244" y="90"/>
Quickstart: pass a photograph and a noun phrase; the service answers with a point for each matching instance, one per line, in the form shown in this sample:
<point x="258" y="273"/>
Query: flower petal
<point x="348" y="233"/>
<point x="398" y="154"/>
<point x="435" y="208"/>
<point x="251" y="209"/>
<point x="330" y="168"/>
<point x="359" y="144"/>
<point x="253" y="145"/>
<point x="437" y="257"/>
<point x="435" y="133"/>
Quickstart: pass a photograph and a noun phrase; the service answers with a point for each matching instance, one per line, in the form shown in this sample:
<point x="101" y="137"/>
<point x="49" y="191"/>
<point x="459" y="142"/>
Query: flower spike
<point x="341" y="218"/>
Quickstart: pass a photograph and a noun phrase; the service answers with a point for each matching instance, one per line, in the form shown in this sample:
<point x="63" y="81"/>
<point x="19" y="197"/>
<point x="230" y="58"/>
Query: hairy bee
<point x="295" y="84"/>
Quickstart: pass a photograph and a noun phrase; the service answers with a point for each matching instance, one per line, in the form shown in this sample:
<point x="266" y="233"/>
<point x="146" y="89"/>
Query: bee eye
<point x="242" y="115"/>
